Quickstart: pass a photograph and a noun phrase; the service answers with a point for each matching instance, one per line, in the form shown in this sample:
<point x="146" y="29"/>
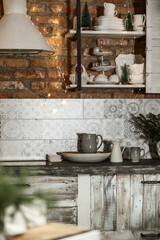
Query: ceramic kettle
<point x="116" y="155"/>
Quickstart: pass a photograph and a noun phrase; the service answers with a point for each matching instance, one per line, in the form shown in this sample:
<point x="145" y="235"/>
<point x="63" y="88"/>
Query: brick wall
<point x="45" y="75"/>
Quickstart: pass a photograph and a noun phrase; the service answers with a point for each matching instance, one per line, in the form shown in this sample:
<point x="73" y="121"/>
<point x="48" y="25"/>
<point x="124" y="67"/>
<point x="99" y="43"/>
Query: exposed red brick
<point x="29" y="74"/>
<point x="11" y="85"/>
<point x="46" y="63"/>
<point x="51" y="20"/>
<point x="37" y="8"/>
<point x="4" y="95"/>
<point x="25" y="95"/>
<point x="37" y="85"/>
<point x="13" y="62"/>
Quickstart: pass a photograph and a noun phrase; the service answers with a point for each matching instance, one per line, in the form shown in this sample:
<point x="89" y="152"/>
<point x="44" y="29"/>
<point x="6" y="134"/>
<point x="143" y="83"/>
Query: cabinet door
<point x="65" y="189"/>
<point x="153" y="47"/>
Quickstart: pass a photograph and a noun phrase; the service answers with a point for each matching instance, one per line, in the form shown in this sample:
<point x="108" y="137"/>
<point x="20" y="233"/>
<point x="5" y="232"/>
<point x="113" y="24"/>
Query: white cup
<point x="139" y="22"/>
<point x="109" y="10"/>
<point x="72" y="78"/>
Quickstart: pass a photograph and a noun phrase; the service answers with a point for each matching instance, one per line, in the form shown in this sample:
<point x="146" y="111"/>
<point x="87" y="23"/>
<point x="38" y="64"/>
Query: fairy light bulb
<point x="49" y="95"/>
<point x="64" y="102"/>
<point x="55" y="110"/>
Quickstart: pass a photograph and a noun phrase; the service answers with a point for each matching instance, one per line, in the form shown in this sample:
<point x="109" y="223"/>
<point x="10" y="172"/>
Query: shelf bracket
<point x="78" y="45"/>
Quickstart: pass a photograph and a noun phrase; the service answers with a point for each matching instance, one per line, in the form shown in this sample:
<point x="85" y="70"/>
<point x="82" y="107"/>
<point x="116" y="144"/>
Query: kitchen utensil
<point x="85" y="157"/>
<point x="90" y="142"/>
<point x="136" y="153"/>
<point x="116" y="155"/>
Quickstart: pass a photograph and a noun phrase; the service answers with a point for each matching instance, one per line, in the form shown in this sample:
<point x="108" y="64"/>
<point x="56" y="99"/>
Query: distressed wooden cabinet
<point x="153" y="47"/>
<point x="115" y="202"/>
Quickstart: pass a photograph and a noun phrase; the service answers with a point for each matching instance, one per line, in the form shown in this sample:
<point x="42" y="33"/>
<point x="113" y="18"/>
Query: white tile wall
<point x="31" y="128"/>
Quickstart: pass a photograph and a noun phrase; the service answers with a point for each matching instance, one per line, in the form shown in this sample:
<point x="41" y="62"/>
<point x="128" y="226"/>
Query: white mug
<point x="109" y="10"/>
<point x="139" y="22"/>
<point x="72" y="78"/>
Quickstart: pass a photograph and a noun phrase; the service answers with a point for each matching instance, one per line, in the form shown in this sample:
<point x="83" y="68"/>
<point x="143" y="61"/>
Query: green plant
<point x="148" y="126"/>
<point x="13" y="192"/>
<point x="124" y="76"/>
<point x="86" y="19"/>
<point x="129" y="25"/>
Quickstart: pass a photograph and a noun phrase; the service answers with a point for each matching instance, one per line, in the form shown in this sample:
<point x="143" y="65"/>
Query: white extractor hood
<point x="17" y="33"/>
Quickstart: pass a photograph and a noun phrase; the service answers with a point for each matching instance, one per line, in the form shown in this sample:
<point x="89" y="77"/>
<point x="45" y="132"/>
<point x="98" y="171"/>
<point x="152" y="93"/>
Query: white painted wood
<point x="108" y="86"/>
<point x="123" y="202"/>
<point x="149" y="12"/>
<point x="97" y="219"/>
<point x="105" y="33"/>
<point x="149" y="203"/>
<point x="153" y="46"/>
<point x="110" y="206"/>
<point x="136" y="202"/>
<point x="92" y="235"/>
<point x="84" y="201"/>
<point x="158" y="203"/>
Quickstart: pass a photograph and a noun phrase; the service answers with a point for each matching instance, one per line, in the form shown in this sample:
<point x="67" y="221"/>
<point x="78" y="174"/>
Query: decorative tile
<point x="152" y="106"/>
<point x="68" y="129"/>
<point x="113" y="108"/>
<point x="11" y="150"/>
<point x="113" y="129"/>
<point x="11" y="129"/>
<point x="54" y="146"/>
<point x="32" y="129"/>
<point x="33" y="150"/>
<point x="132" y="106"/>
<point x="93" y="108"/>
<point x="130" y="130"/>
<point x="52" y="108"/>
<point x="11" y="108"/>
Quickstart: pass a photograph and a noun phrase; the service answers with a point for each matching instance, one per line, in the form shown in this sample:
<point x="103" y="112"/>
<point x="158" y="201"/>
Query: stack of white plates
<point x="110" y="23"/>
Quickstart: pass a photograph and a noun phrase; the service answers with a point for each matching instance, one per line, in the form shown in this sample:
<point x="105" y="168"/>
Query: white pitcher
<point x="116" y="155"/>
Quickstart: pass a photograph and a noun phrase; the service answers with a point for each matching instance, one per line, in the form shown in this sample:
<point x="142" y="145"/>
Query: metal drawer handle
<point x="150" y="182"/>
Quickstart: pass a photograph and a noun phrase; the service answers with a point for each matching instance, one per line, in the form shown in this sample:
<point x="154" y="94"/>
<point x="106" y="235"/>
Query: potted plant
<point x="149" y="129"/>
<point x="15" y="203"/>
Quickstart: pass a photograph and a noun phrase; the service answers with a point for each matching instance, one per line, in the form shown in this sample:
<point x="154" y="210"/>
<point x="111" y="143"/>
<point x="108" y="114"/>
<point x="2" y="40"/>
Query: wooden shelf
<point x="105" y="33"/>
<point x="107" y="86"/>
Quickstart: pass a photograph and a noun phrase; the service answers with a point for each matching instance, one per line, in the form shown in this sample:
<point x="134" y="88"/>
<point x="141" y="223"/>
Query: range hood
<point x="17" y="33"/>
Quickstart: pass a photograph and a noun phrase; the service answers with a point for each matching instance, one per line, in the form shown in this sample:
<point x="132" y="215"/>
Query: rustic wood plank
<point x="136" y="202"/>
<point x="97" y="220"/>
<point x="123" y="202"/>
<point x="62" y="215"/>
<point x="84" y="201"/>
<point x="52" y="184"/>
<point x="149" y="203"/>
<point x="110" y="206"/>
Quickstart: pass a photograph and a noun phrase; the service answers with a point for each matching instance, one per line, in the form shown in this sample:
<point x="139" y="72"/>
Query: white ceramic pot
<point x="158" y="148"/>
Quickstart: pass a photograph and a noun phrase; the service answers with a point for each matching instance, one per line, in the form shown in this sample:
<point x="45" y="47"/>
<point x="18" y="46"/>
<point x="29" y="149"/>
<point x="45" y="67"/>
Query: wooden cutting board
<point x="50" y="231"/>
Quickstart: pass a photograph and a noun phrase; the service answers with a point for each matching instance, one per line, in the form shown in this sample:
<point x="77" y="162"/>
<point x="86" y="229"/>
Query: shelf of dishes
<point x="107" y="33"/>
<point x="108" y="85"/>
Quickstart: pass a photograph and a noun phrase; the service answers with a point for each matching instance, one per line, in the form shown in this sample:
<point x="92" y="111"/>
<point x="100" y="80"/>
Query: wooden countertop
<point x="65" y="168"/>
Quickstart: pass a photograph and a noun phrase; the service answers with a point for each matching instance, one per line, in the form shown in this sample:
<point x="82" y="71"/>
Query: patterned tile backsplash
<point x="31" y="128"/>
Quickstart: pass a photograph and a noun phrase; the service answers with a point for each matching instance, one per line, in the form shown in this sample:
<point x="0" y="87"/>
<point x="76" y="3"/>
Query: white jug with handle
<point x="116" y="155"/>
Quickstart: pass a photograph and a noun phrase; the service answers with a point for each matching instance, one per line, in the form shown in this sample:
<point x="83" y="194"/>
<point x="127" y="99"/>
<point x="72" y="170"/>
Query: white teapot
<point x="116" y="155"/>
